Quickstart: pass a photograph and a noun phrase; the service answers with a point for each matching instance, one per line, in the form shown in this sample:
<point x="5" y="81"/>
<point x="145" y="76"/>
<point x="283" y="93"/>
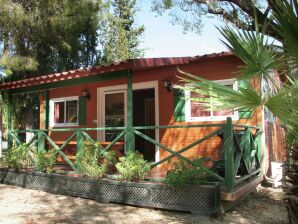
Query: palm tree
<point x="260" y="58"/>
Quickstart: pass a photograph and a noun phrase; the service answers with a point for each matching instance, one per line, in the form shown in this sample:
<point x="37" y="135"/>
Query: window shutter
<point x="179" y="104"/>
<point x="244" y="114"/>
<point x="82" y="110"/>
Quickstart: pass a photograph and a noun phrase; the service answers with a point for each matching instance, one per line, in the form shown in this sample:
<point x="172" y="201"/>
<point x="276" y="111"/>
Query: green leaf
<point x="254" y="50"/>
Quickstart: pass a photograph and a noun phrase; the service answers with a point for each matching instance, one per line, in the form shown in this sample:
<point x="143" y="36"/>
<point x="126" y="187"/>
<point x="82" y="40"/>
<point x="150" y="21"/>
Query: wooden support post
<point x="229" y="154"/>
<point x="9" y="120"/>
<point x="130" y="138"/>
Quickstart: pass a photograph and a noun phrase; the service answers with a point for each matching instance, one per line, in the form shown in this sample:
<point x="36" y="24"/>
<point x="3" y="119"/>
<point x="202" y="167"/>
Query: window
<point x="195" y="111"/>
<point x="64" y="111"/>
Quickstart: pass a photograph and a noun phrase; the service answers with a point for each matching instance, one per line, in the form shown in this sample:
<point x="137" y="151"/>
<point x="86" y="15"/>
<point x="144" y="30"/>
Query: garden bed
<point x="203" y="199"/>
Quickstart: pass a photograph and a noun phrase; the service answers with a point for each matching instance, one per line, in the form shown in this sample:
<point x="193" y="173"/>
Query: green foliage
<point x="21" y="104"/>
<point x="220" y="97"/>
<point x="19" y="157"/>
<point x="17" y="63"/>
<point x="133" y="167"/>
<point x="190" y="13"/>
<point x="3" y="162"/>
<point x="90" y="162"/>
<point x="45" y="36"/>
<point x="184" y="174"/>
<point x="44" y="161"/>
<point x="254" y="50"/>
<point x="285" y="15"/>
<point x="260" y="60"/>
<point x="121" y="36"/>
<point x="38" y="37"/>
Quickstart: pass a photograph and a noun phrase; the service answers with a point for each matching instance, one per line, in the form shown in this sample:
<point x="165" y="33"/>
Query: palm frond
<point x="254" y="49"/>
<point x="285" y="104"/>
<point x="286" y="17"/>
<point x="217" y="97"/>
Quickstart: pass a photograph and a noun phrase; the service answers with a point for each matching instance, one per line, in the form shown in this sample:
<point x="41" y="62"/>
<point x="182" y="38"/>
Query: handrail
<point x="71" y="129"/>
<point x="135" y="128"/>
<point x="120" y="128"/>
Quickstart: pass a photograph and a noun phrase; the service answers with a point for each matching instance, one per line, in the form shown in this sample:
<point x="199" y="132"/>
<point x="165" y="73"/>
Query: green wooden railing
<point x="240" y="152"/>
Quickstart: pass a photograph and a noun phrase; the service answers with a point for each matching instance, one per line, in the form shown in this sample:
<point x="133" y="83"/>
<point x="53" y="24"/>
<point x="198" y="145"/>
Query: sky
<point x="162" y="39"/>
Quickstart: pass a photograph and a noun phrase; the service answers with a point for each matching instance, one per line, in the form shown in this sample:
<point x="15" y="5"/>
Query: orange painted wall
<point x="214" y="69"/>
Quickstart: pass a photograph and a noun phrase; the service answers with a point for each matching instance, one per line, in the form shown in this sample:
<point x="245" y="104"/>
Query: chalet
<point x="131" y="105"/>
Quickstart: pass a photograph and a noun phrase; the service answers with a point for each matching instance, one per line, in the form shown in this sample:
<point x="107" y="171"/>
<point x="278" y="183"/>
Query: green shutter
<point x="244" y="114"/>
<point x="82" y="110"/>
<point x="179" y="105"/>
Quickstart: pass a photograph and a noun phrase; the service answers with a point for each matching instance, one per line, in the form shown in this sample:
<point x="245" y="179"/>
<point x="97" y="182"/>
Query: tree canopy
<point x="120" y="37"/>
<point x="43" y="36"/>
<point x="241" y="13"/>
<point x="39" y="37"/>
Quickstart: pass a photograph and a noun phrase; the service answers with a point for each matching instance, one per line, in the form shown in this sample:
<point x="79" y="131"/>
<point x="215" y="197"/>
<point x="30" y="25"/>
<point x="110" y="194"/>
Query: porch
<point x="232" y="172"/>
<point x="239" y="156"/>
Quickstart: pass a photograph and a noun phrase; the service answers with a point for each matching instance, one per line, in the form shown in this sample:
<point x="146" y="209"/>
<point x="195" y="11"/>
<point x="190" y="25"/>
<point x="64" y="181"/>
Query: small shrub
<point x="90" y="163"/>
<point x="185" y="174"/>
<point x="133" y="167"/>
<point x="45" y="160"/>
<point x="3" y="162"/>
<point x="19" y="157"/>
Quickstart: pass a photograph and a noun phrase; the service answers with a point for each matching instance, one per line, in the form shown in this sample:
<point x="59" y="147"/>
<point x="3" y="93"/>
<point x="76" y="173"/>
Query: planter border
<point x="203" y="199"/>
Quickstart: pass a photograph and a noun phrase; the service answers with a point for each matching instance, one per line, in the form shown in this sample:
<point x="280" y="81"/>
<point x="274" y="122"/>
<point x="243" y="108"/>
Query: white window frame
<point x="188" y="116"/>
<point x="63" y="99"/>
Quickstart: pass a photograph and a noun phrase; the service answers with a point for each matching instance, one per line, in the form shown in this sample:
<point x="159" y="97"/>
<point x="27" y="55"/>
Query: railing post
<point x="229" y="154"/>
<point x="130" y="138"/>
<point x="80" y="139"/>
<point x="46" y="113"/>
<point x="41" y="141"/>
<point x="9" y="120"/>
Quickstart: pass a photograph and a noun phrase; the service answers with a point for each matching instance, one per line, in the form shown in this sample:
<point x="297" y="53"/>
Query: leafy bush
<point x="19" y="157"/>
<point x="3" y="162"/>
<point x="133" y="167"/>
<point x="185" y="174"/>
<point x="90" y="163"/>
<point x="45" y="160"/>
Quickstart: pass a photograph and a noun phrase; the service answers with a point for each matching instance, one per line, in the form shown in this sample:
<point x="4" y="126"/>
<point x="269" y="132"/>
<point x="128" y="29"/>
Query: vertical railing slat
<point x="80" y="140"/>
<point x="41" y="141"/>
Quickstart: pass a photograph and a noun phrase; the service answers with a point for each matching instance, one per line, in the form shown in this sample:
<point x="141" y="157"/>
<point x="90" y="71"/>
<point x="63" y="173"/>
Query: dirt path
<point x="23" y="206"/>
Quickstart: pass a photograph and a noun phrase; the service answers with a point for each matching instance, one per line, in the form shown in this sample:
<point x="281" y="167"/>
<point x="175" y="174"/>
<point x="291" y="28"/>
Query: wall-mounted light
<point x="85" y="93"/>
<point x="167" y="84"/>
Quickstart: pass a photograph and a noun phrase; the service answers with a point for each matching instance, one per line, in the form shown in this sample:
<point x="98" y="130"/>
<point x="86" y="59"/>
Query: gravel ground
<point x="24" y="206"/>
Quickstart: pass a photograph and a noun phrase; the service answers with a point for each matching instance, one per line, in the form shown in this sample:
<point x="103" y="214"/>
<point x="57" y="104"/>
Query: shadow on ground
<point x="18" y="205"/>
